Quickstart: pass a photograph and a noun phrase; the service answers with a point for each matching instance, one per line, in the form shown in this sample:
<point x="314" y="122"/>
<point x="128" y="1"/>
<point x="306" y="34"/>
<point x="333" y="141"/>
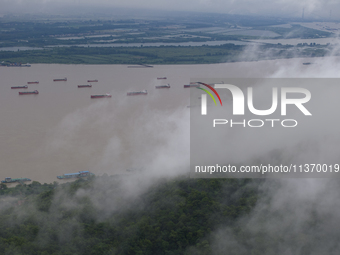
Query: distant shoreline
<point x="167" y="55"/>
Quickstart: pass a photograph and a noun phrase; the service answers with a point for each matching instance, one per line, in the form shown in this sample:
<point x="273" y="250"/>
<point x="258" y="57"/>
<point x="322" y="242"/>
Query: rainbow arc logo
<point x="209" y="93"/>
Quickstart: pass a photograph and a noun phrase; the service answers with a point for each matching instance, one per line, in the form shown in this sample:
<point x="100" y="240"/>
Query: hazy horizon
<point x="315" y="9"/>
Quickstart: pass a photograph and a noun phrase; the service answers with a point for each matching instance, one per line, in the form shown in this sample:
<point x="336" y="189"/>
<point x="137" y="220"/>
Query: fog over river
<point x="62" y="130"/>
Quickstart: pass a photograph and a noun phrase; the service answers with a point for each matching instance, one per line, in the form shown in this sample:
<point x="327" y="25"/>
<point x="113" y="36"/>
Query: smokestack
<point x="303" y="13"/>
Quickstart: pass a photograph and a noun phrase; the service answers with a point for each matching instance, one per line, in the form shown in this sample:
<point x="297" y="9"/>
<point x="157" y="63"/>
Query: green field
<point x="158" y="55"/>
<point x="54" y="32"/>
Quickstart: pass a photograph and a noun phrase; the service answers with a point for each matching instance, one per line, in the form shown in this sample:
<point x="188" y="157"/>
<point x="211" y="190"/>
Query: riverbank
<point x="163" y="55"/>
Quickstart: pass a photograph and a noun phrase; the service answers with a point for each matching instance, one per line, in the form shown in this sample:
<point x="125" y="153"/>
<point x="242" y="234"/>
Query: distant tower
<point x="303" y="13"/>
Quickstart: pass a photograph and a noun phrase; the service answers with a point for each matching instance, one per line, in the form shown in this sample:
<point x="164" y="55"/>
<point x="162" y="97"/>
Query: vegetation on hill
<point x="170" y="217"/>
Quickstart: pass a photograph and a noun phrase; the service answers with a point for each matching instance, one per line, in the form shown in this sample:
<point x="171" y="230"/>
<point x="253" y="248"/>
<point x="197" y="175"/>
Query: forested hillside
<point x="96" y="216"/>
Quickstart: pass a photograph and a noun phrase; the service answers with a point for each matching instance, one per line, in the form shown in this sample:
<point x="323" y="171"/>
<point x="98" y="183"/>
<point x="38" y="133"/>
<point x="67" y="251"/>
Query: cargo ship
<point x="65" y="79"/>
<point x="144" y="92"/>
<point x="92" y="80"/>
<point x="101" y="96"/>
<point x="84" y="86"/>
<point x="20" y="180"/>
<point x="20" y="87"/>
<point x="163" y="86"/>
<point x="29" y="92"/>
<point x="191" y="85"/>
<point x="32" y="82"/>
<point x="161" y="78"/>
<point x="140" y="65"/>
<point x="18" y="65"/>
<point x="76" y="175"/>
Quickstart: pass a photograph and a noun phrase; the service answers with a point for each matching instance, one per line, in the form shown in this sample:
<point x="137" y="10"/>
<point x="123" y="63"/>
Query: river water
<point x="62" y="130"/>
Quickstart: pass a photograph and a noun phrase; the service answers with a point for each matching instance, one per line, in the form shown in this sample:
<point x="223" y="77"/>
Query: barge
<point x="191" y="85"/>
<point x="29" y="92"/>
<point x="20" y="87"/>
<point x="101" y="96"/>
<point x="144" y="92"/>
<point x="65" y="79"/>
<point x="20" y="180"/>
<point x="80" y="174"/>
<point x="163" y="86"/>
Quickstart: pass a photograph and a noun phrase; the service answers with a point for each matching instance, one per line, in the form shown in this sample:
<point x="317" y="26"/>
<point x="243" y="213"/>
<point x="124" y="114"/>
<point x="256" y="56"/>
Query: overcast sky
<point x="312" y="8"/>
